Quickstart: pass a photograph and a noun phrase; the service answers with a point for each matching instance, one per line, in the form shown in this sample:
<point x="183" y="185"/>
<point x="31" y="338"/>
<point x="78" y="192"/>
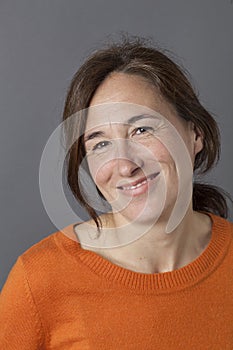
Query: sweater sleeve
<point x="20" y="325"/>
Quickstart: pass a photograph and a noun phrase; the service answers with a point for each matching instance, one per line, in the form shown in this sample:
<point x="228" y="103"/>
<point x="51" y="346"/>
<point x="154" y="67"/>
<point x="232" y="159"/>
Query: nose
<point x="128" y="159"/>
<point x="127" y="168"/>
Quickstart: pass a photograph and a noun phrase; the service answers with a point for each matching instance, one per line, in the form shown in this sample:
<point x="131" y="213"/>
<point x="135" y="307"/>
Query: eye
<point x="101" y="146"/>
<point x="143" y="130"/>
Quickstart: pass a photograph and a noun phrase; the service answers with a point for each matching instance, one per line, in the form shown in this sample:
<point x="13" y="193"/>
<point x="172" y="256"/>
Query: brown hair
<point x="137" y="56"/>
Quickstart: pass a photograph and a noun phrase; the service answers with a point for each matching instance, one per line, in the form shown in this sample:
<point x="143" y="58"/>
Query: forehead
<point x="121" y="87"/>
<point x="119" y="113"/>
<point x="120" y="96"/>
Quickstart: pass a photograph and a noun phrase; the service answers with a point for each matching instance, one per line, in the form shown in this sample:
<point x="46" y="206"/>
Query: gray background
<point x="42" y="43"/>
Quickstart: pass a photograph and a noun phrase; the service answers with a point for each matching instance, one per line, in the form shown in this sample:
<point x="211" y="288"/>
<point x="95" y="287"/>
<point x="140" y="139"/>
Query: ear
<point x="198" y="138"/>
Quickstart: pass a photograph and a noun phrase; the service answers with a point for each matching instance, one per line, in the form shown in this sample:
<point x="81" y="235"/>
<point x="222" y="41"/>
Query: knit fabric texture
<point x="60" y="296"/>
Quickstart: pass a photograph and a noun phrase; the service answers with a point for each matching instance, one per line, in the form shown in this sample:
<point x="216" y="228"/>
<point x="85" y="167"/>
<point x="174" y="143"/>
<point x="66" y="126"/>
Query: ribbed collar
<point x="164" y="282"/>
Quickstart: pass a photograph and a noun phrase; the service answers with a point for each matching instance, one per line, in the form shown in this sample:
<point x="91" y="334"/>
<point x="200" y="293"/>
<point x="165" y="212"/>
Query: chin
<point x="141" y="214"/>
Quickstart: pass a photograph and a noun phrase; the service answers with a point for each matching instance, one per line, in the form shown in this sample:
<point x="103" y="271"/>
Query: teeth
<point x="138" y="185"/>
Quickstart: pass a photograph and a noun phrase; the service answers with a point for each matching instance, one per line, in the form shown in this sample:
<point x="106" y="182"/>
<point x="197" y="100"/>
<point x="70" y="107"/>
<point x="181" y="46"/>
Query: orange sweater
<point x="60" y="296"/>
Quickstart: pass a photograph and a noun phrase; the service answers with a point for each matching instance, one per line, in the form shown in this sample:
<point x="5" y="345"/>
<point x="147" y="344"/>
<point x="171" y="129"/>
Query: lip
<point x="139" y="186"/>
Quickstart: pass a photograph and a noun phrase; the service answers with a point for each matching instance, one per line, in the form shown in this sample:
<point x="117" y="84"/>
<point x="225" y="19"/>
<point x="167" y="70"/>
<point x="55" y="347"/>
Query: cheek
<point x="166" y="162"/>
<point x="158" y="151"/>
<point x="100" y="171"/>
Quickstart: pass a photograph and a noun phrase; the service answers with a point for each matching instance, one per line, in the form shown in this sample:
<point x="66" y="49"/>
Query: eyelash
<point x="146" y="128"/>
<point x="105" y="143"/>
<point x="98" y="144"/>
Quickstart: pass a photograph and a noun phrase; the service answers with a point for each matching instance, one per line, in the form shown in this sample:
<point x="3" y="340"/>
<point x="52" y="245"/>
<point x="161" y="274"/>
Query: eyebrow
<point x="131" y="120"/>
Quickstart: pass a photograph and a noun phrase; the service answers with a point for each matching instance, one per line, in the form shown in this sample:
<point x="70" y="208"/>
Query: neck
<point x="157" y="252"/>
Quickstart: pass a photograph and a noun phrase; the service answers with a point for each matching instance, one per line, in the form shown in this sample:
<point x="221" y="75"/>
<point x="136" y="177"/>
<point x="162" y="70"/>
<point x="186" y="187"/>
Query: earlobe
<point x="198" y="139"/>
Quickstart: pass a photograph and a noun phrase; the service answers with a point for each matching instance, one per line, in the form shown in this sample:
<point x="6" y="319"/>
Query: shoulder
<point x="44" y="249"/>
<point x="42" y="268"/>
<point x="28" y="288"/>
<point x="224" y="230"/>
<point x="46" y="259"/>
<point x="50" y="246"/>
<point x="226" y="222"/>
<point x="230" y="225"/>
<point x="220" y="223"/>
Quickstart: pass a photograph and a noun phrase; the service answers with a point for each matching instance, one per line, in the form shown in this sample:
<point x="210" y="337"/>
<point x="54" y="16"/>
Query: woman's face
<point x="130" y="165"/>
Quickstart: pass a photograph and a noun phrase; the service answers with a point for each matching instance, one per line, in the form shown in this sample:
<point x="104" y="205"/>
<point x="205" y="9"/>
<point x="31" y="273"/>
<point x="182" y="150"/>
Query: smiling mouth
<point x="138" y="183"/>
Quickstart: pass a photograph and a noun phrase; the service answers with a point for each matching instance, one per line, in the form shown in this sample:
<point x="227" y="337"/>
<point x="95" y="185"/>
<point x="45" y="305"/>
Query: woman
<point x="143" y="286"/>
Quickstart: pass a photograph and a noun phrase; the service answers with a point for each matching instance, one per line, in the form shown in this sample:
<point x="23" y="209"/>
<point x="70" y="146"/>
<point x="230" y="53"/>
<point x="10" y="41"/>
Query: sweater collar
<point x="178" y="279"/>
